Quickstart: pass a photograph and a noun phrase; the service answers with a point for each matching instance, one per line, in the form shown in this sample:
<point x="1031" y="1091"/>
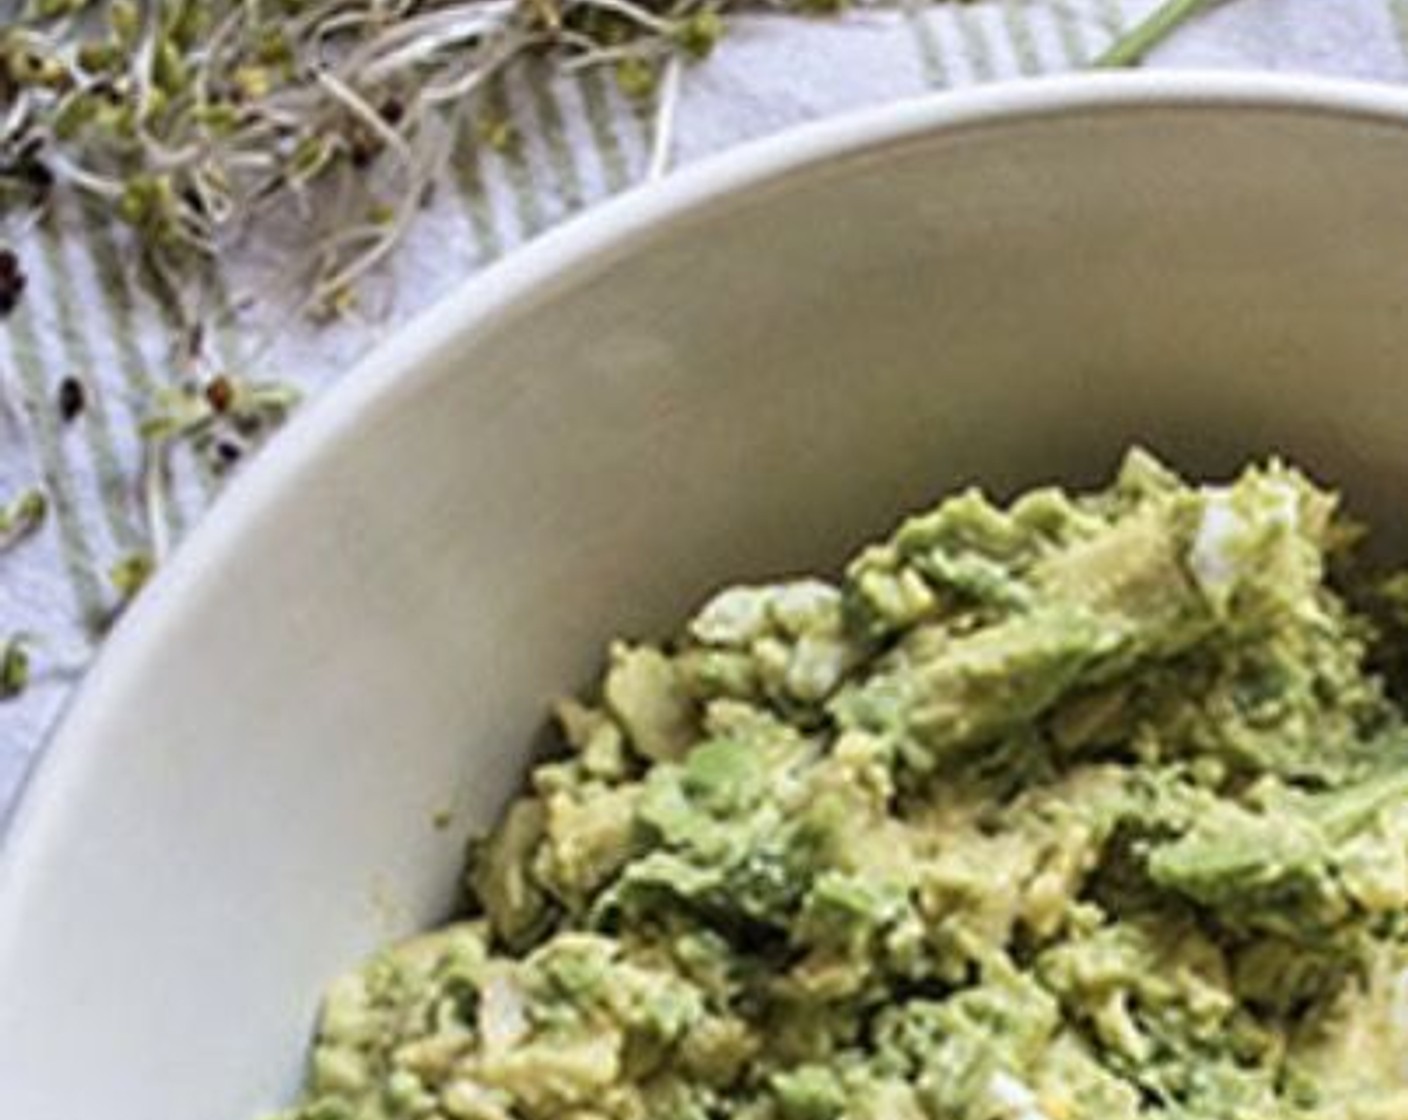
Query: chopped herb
<point x="73" y="399"/>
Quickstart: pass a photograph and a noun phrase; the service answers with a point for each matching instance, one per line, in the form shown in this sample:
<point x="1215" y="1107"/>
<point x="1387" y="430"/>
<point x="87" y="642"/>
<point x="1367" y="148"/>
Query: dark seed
<point x="194" y="199"/>
<point x="23" y="164"/>
<point x="393" y="110"/>
<point x="363" y="147"/>
<point x="73" y="398"/>
<point x="38" y="175"/>
<point x="12" y="281"/>
<point x="228" y="453"/>
<point x="28" y="147"/>
<point x="108" y="91"/>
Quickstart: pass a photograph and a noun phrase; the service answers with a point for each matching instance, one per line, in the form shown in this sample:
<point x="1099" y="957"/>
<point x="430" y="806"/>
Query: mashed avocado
<point x="1087" y="808"/>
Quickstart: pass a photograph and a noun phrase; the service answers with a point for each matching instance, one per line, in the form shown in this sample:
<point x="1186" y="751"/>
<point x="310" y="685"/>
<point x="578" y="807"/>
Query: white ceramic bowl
<point x="742" y="372"/>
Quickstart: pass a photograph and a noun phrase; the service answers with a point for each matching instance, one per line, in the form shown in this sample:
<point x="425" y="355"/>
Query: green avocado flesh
<point x="1086" y="808"/>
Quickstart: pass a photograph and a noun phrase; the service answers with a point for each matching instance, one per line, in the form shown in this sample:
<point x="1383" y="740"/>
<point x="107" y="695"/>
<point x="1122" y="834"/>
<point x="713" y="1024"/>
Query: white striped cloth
<point x="85" y="315"/>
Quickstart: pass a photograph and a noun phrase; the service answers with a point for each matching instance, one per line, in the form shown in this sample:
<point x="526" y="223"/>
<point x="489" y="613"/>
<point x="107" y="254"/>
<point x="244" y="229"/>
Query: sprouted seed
<point x="223" y="412"/>
<point x="192" y="121"/>
<point x="220" y="421"/>
<point x="126" y="578"/>
<point x="14" y="666"/>
<point x="22" y="517"/>
<point x="130" y="574"/>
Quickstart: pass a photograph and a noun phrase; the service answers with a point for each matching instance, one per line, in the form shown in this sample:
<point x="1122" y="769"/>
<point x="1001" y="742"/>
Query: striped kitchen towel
<point x="87" y="319"/>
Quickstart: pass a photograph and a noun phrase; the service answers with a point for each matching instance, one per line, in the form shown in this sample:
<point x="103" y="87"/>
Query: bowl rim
<point x="401" y="365"/>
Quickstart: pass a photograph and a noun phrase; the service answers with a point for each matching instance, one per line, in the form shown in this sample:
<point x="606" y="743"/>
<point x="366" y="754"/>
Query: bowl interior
<point x="742" y="378"/>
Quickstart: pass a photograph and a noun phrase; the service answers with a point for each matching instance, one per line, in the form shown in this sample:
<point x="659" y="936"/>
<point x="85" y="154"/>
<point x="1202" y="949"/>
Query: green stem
<point x="1130" y="48"/>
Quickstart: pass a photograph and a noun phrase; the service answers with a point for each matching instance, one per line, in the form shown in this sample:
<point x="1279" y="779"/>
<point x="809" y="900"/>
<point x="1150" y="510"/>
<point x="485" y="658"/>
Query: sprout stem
<point x="1132" y="47"/>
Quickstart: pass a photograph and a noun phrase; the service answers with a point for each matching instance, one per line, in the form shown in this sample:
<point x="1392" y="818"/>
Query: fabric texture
<point x="86" y="315"/>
